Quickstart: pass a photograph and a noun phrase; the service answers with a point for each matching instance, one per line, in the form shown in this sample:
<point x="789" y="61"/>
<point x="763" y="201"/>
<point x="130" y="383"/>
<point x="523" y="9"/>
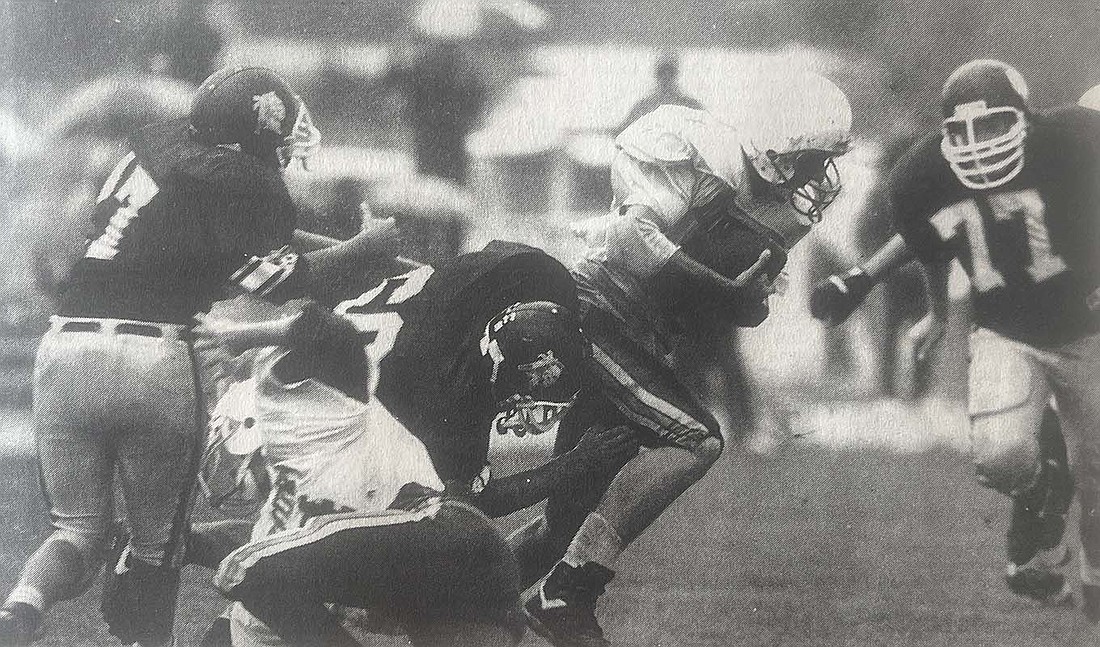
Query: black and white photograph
<point x="550" y="323"/>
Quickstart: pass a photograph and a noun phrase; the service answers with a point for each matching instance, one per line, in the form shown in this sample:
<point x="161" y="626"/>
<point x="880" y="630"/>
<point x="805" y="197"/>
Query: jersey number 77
<point x="1020" y="234"/>
<point x="375" y="316"/>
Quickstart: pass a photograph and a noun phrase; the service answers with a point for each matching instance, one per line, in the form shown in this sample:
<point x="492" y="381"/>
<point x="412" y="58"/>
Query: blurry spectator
<point x="666" y="91"/>
<point x="444" y="99"/>
<point x="187" y="45"/>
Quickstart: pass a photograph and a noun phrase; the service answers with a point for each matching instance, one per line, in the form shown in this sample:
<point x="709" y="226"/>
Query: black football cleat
<point x="1040" y="582"/>
<point x="563" y="610"/>
<point x="18" y="624"/>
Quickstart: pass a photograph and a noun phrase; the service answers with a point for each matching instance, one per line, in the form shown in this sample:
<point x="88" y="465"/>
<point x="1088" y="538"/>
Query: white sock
<point x="596" y="541"/>
<point x="28" y="595"/>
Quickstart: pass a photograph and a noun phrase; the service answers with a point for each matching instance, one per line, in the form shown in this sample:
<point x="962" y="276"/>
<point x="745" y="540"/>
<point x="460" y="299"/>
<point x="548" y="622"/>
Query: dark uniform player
<point x="425" y="331"/>
<point x="472" y="345"/>
<point x="1014" y="196"/>
<point x="198" y="205"/>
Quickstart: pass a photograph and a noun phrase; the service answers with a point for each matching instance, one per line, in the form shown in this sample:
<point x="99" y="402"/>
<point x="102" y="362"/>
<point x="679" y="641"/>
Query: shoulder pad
<point x="658" y="137"/>
<point x="167" y="149"/>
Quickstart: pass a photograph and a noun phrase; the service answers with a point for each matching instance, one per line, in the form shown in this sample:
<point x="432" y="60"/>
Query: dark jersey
<point x="1029" y="246"/>
<point x="174" y="222"/>
<point x="423" y="331"/>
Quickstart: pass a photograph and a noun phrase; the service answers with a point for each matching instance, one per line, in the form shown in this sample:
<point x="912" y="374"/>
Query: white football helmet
<point x="793" y="125"/>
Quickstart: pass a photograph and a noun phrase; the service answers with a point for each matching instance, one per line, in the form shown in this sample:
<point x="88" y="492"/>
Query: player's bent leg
<point x="443" y="563"/>
<point x="685" y="442"/>
<point x="76" y="478"/>
<point x="543" y="541"/>
<point x="1017" y="450"/>
<point x="62" y="568"/>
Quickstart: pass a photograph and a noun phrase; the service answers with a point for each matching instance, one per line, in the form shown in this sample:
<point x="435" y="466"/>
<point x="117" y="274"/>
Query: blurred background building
<point x="479" y="119"/>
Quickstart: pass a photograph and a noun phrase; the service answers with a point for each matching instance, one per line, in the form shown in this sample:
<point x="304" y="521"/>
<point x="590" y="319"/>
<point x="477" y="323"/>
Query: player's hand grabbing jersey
<point x="1029" y="246"/>
<point x="174" y="222"/>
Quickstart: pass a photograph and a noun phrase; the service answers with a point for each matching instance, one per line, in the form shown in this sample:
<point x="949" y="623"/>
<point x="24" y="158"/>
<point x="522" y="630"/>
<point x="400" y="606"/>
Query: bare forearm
<point x="889" y="257"/>
<point x="699" y="274"/>
<point x="936" y="288"/>
<point x="506" y="495"/>
<point x="307" y="242"/>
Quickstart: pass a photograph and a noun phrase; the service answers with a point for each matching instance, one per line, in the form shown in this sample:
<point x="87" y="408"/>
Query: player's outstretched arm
<point x="835" y="298"/>
<point x="599" y="451"/>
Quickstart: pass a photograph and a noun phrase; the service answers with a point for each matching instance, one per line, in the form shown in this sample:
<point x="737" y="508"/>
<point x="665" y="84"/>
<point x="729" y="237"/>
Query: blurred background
<point x="477" y="119"/>
<point x="854" y="519"/>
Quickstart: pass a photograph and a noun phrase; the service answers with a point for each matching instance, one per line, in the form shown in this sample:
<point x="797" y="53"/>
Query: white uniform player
<point x="355" y="515"/>
<point x="704" y="212"/>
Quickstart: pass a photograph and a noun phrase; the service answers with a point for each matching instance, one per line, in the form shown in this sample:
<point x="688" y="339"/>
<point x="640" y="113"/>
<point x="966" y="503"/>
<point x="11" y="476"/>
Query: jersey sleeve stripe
<point x="123" y="169"/>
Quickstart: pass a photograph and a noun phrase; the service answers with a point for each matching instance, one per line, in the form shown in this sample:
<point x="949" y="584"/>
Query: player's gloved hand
<point x="602" y="449"/>
<point x="836" y="297"/>
<point x="748" y="293"/>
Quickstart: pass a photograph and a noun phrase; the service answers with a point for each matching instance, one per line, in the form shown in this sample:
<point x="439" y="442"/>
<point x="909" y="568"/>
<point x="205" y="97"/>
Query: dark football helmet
<point x="536" y="353"/>
<point x="253" y="109"/>
<point x="985" y="122"/>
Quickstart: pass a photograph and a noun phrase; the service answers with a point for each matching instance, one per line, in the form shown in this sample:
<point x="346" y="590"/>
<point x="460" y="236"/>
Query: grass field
<point x="805" y="546"/>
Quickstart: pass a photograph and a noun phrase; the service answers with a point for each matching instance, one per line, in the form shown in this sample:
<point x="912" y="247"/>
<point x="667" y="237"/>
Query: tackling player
<point x="480" y="342"/>
<point x="196" y="207"/>
<point x="355" y="514"/>
<point x="704" y="213"/>
<point x="1013" y="195"/>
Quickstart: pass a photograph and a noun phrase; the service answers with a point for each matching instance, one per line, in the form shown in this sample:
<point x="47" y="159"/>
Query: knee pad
<point x="1006" y="408"/>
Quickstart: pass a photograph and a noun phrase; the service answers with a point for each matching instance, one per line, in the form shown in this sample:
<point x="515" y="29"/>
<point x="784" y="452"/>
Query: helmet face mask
<point x="302" y="142"/>
<point x="809" y="179"/>
<point x="984" y="146"/>
<point x="536" y="354"/>
<point x="985" y="123"/>
<point x="522" y="415"/>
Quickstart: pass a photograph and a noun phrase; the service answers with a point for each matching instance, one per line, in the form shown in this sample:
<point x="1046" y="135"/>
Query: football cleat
<point x="1041" y="581"/>
<point x="18" y="624"/>
<point x="563" y="610"/>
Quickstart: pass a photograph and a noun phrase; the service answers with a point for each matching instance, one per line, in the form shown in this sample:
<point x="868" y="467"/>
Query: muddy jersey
<point x="423" y="330"/>
<point x="329" y="453"/>
<point x="174" y="222"/>
<point x="1029" y="247"/>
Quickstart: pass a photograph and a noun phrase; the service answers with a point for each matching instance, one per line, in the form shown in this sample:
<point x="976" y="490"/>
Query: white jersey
<point x="662" y="159"/>
<point x="327" y="452"/>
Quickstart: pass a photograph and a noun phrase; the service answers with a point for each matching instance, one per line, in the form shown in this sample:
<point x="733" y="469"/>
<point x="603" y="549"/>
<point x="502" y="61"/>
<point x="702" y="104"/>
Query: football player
<point x="703" y="215"/>
<point x="355" y="514"/>
<point x="455" y="372"/>
<point x="1012" y="195"/>
<point x="430" y="332"/>
<point x="197" y="207"/>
